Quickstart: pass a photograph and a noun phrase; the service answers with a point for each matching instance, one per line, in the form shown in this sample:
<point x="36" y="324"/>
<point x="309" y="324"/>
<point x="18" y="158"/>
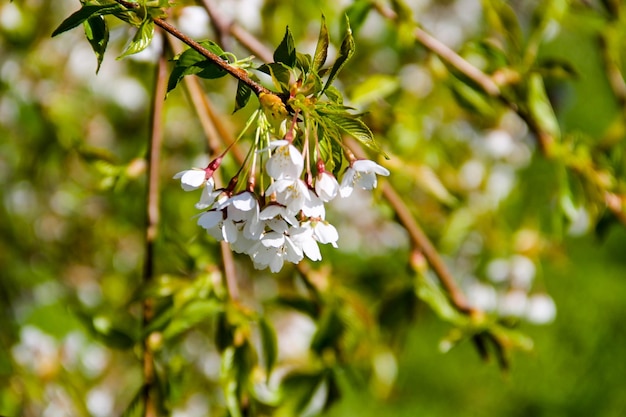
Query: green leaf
<point x="334" y="95"/>
<point x="141" y="40"/>
<point x="540" y="108"/>
<point x="86" y="12"/>
<point x="97" y="34"/>
<point x="285" y="53"/>
<point x="280" y="73"/>
<point x="298" y="390"/>
<point x="243" y="95"/>
<point x="345" y="53"/>
<point x="303" y="61"/>
<point x="354" y="127"/>
<point x="321" y="49"/>
<point x="431" y="294"/>
<point x="192" y="62"/>
<point x="357" y="13"/>
<point x="269" y="342"/>
<point x="190" y="315"/>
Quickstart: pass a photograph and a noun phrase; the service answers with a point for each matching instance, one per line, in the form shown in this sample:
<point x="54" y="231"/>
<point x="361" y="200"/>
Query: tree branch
<point x="484" y="81"/>
<point x="152" y="223"/>
<point x="236" y="72"/>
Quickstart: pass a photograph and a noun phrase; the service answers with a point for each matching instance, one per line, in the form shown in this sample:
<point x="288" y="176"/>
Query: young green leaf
<point x="345" y="53"/>
<point x="285" y="53"/>
<point x="354" y="127"/>
<point x="141" y="40"/>
<point x="97" y="34"/>
<point x="321" y="49"/>
<point x="540" y="108"/>
<point x="242" y="96"/>
<point x="86" y="12"/>
<point x="192" y="62"/>
<point x="280" y="73"/>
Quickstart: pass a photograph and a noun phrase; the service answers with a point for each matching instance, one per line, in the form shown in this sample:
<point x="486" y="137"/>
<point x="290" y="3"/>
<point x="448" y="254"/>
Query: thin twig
<point x="226" y="28"/>
<point x="447" y="54"/>
<point x="236" y="72"/>
<point x="482" y="80"/>
<point x="152" y="223"/>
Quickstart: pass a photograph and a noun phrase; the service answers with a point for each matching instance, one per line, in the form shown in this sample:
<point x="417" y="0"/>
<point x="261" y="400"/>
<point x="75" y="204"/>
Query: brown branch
<point x="484" y="81"/>
<point x="152" y="223"/>
<point x="236" y="72"/>
<point x="224" y="28"/>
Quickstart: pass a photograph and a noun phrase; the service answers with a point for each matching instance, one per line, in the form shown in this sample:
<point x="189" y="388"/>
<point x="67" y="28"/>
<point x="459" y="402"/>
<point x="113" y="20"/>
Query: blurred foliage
<point x="522" y="194"/>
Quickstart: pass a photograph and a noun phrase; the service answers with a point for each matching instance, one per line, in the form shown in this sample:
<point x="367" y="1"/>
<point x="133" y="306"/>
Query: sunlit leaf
<point x="354" y="127"/>
<point x="540" y="107"/>
<point x="141" y="40"/>
<point x="345" y="53"/>
<point x="321" y="49"/>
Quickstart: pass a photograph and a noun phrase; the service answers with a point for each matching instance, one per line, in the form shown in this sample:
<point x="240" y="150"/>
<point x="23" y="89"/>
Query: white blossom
<point x="208" y="196"/>
<point x="291" y="193"/>
<point x="273" y="249"/>
<point x="212" y="221"/>
<point x="303" y="238"/>
<point x="325" y="232"/>
<point x="286" y="162"/>
<point x="326" y="186"/>
<point x="192" y="179"/>
<point x="361" y="174"/>
<point x="314" y="206"/>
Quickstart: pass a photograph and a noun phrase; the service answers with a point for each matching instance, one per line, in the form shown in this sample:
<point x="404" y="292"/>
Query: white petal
<point x="276" y="263"/>
<point x="210" y="219"/>
<point x="314" y="207"/>
<point x="286" y="162"/>
<point x="347" y="182"/>
<point x="273" y="240"/>
<point x="191" y="179"/>
<point x="230" y="231"/>
<point x="365" y="180"/>
<point x="326" y="233"/>
<point x="244" y="201"/>
<point x="326" y="186"/>
<point x="293" y="253"/>
<point x="365" y="165"/>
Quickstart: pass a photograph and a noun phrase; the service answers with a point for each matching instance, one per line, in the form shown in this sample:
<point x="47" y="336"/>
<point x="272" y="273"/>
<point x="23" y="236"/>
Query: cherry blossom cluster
<point x="288" y="221"/>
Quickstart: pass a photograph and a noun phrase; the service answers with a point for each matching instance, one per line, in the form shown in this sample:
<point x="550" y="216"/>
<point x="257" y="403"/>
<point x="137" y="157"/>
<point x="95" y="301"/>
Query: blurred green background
<point x="72" y="185"/>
